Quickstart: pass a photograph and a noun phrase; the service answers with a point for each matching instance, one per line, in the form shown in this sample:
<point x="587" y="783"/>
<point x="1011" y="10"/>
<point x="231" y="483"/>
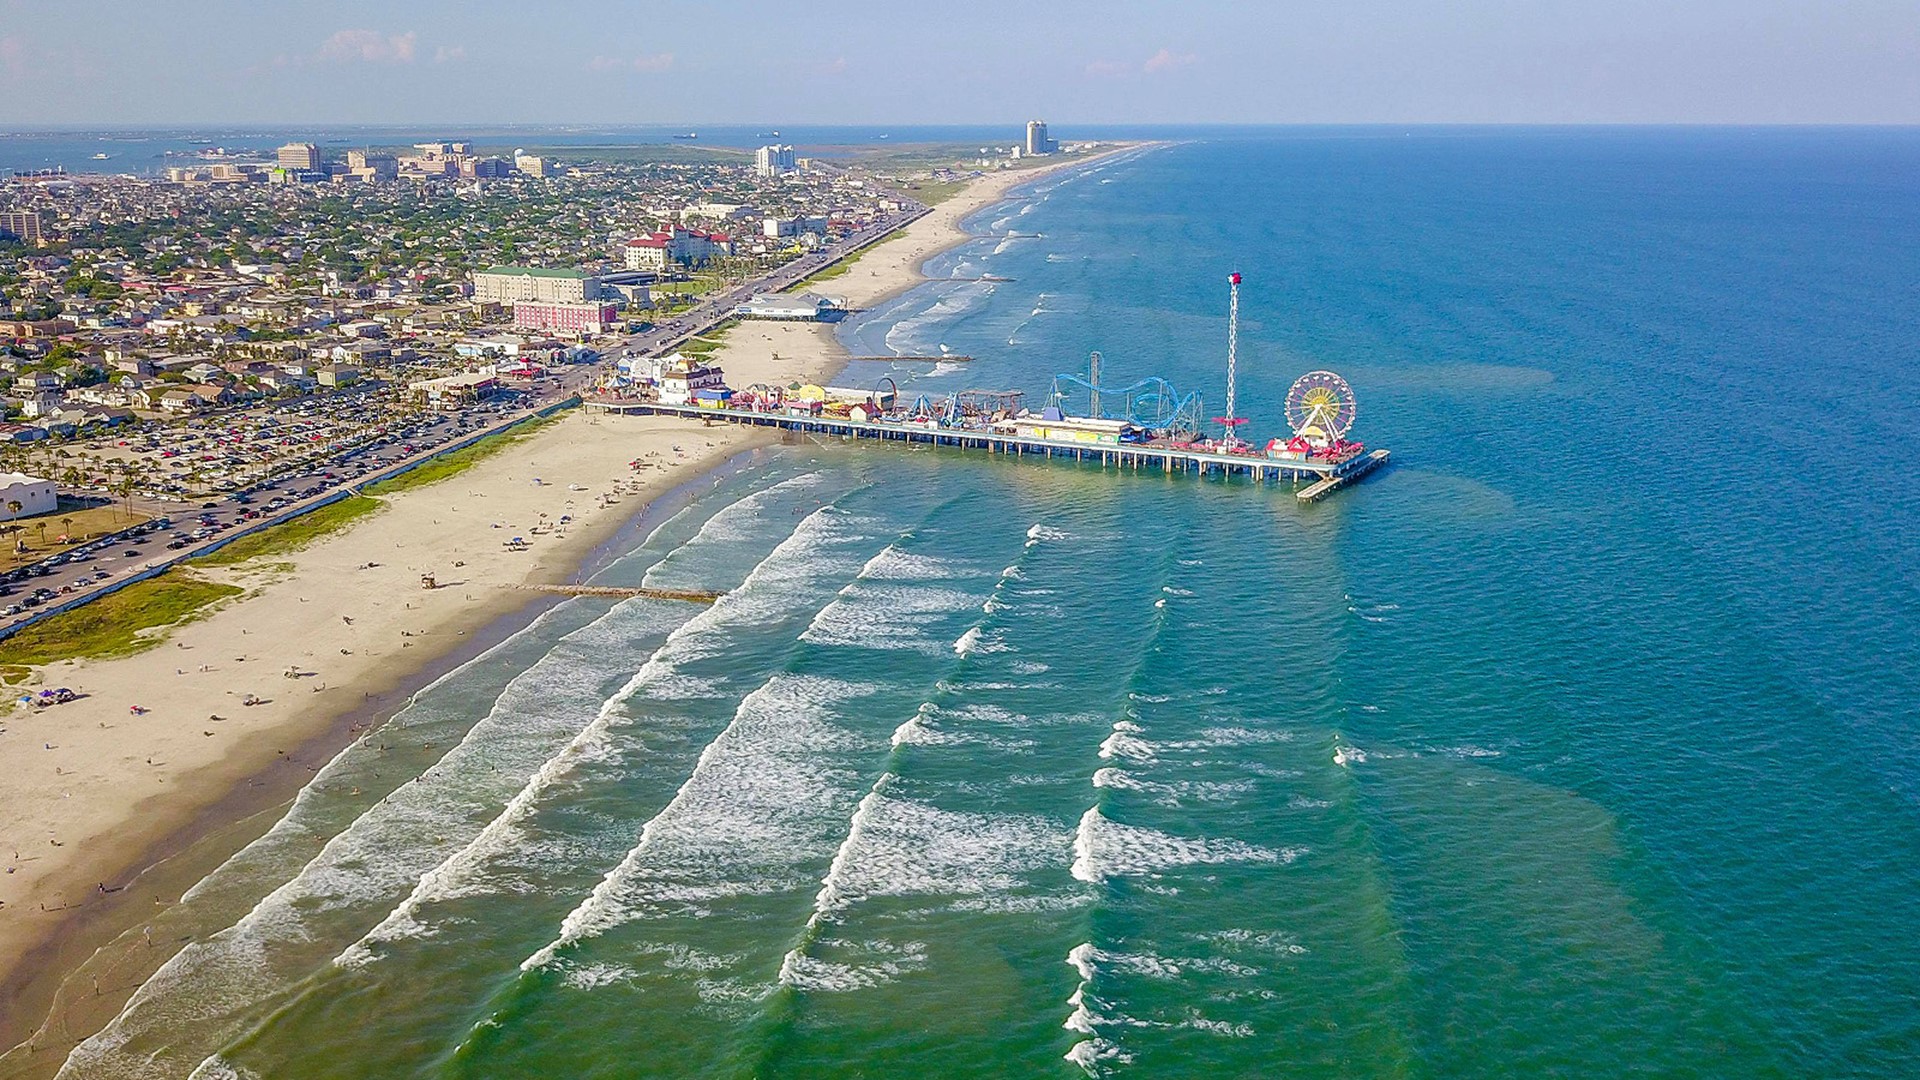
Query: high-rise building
<point x="509" y="283"/>
<point x="1038" y="141"/>
<point x="303" y="156"/>
<point x="370" y="166"/>
<point x="24" y="224"/>
<point x="773" y="160"/>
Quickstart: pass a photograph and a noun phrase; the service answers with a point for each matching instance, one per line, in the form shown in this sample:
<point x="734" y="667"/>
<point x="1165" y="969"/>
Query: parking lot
<point x="301" y="476"/>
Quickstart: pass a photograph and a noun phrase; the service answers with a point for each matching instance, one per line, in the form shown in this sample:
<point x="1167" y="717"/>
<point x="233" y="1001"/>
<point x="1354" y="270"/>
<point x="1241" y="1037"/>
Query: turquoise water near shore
<point x="1580" y="742"/>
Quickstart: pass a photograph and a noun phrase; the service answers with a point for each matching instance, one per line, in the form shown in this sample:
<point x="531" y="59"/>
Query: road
<point x="87" y="571"/>
<point x="716" y="308"/>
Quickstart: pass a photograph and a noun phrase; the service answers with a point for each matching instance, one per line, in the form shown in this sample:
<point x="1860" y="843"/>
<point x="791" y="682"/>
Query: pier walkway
<point x="688" y="595"/>
<point x="1325" y="477"/>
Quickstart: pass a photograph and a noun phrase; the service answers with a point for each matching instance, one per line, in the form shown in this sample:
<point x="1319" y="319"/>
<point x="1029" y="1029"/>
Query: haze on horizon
<point x="871" y="62"/>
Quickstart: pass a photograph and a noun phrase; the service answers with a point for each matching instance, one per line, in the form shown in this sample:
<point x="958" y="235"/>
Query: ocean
<point x="1579" y="742"/>
<point x="150" y="151"/>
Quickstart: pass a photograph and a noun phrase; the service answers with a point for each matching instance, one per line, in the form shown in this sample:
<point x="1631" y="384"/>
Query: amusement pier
<point x="1145" y="426"/>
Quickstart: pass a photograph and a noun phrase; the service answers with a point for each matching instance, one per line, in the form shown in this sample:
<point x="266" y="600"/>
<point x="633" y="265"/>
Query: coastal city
<point x="233" y="343"/>
<point x="1180" y="539"/>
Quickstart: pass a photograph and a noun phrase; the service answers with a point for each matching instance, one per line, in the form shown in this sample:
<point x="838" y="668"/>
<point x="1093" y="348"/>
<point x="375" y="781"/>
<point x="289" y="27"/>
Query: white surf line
<point x="718" y="762"/>
<point x="249" y="938"/>
<point x="230" y="970"/>
<point x="446" y="879"/>
<point x="829" y="898"/>
<point x="748" y="506"/>
<point x="598" y="911"/>
<point x="1090" y="1051"/>
<point x="295" y="816"/>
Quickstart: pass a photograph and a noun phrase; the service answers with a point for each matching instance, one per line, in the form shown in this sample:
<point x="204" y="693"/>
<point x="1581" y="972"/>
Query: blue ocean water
<point x="1580" y="742"/>
<point x="147" y="151"/>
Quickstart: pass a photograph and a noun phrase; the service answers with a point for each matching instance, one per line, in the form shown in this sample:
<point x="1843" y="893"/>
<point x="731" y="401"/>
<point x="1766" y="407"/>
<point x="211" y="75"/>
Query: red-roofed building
<point x="687" y="247"/>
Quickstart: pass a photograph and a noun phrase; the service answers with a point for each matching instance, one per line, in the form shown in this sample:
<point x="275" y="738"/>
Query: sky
<point x="164" y="62"/>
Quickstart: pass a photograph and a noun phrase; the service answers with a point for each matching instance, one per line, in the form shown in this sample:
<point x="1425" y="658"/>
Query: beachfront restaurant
<point x="801" y="307"/>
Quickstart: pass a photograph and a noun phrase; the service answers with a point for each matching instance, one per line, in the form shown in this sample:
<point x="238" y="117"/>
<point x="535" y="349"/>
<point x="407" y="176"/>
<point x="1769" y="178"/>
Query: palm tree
<point x="124" y="488"/>
<point x="66" y="526"/>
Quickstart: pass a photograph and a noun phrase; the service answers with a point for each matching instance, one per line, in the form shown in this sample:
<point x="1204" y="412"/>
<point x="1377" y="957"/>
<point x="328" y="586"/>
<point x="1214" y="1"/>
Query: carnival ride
<point x="1151" y="403"/>
<point x="1320" y="409"/>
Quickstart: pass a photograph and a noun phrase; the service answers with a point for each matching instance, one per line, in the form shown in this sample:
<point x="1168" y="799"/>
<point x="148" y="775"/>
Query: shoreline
<point x="42" y="959"/>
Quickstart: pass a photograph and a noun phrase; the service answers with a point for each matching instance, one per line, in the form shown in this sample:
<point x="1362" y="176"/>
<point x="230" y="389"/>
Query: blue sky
<point x="864" y="61"/>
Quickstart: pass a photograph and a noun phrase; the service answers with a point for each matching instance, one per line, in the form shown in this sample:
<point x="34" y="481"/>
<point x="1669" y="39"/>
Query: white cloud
<point x="653" y="62"/>
<point x="443" y="54"/>
<point x="1167" y="60"/>
<point x="369" y="46"/>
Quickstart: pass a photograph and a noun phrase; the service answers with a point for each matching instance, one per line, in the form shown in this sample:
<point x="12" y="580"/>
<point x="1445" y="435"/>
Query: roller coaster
<point x="1152" y="402"/>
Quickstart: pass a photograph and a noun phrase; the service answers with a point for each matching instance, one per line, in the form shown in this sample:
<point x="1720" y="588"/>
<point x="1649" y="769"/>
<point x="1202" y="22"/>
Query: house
<point x="179" y="402"/>
<point x="283" y="380"/>
<point x="337" y="375"/>
<point x="42" y="403"/>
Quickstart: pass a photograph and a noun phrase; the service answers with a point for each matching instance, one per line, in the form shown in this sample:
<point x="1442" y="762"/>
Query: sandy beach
<point x="93" y="788"/>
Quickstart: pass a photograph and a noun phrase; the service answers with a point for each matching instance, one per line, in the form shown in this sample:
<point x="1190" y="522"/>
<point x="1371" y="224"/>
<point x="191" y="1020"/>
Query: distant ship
<point x="768" y="135"/>
<point x="101" y="157"/>
<point x="688" y="135"/>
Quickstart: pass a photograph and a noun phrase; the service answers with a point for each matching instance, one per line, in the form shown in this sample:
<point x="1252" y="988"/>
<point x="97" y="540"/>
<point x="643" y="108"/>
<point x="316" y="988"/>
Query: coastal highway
<point x="77" y="576"/>
<point x="717" y="307"/>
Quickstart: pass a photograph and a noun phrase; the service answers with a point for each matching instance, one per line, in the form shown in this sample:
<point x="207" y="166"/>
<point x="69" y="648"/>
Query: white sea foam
<point x="878" y="963"/>
<point x="1123" y="744"/>
<point x="887" y="607"/>
<point x="1173" y="794"/>
<point x="219" y="1068"/>
<point x="1039" y="532"/>
<point x="465" y="872"/>
<point x="1104" y="848"/>
<point x="371" y="862"/>
<point x="1344" y="755"/>
<point x="906" y="337"/>
<point x="423" y="826"/>
<point x="757" y="805"/>
<point x="967" y="641"/>
<point x="743" y="521"/>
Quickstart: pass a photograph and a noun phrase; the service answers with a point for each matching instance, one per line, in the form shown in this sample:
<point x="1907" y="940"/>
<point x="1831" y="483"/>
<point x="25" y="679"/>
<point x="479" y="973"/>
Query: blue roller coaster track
<point x="1152" y="403"/>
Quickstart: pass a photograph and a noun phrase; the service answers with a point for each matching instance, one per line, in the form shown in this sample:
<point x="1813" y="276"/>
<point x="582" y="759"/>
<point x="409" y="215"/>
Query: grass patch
<point x="459" y="461"/>
<point x="705" y="345"/>
<point x="41" y="534"/>
<point x="296" y="534"/>
<point x="841" y="268"/>
<point x="113" y="625"/>
<point x="934" y="192"/>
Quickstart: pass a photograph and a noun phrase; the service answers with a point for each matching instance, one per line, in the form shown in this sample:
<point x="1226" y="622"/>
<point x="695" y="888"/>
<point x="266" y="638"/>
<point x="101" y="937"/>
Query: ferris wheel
<point x="1320" y="408"/>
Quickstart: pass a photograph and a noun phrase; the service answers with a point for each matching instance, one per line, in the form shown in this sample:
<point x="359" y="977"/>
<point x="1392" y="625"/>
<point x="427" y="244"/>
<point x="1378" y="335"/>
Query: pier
<point x="1325" y="476"/>
<point x="687" y="595"/>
